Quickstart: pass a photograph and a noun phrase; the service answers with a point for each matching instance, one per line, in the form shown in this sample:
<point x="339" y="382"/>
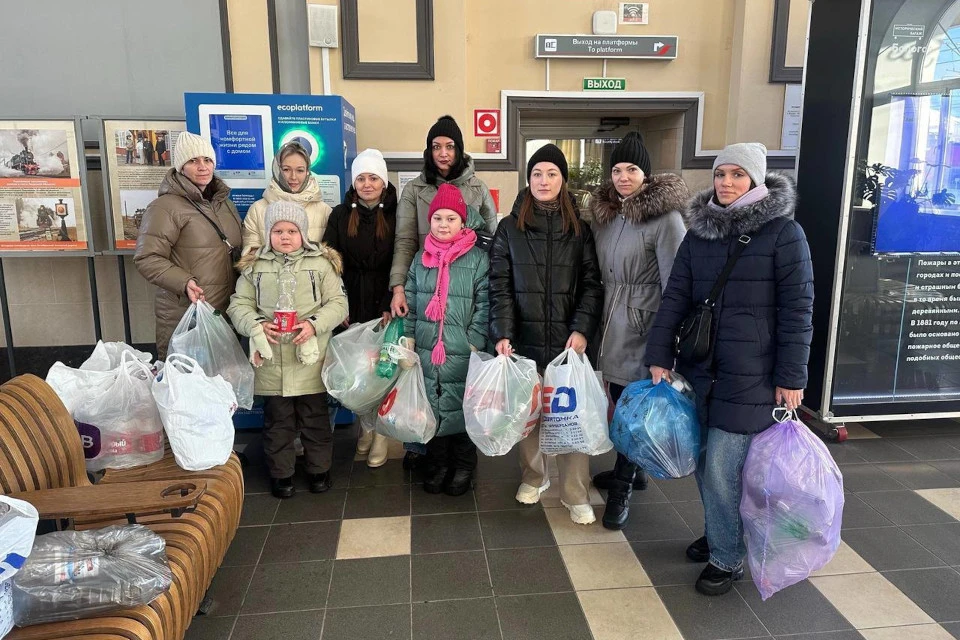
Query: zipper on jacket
<point x="257" y="286"/>
<point x="313" y="283"/>
<point x="548" y="333"/>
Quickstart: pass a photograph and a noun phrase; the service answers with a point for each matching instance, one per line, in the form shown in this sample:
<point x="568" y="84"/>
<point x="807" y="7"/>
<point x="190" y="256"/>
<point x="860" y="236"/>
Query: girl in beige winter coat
<point x="288" y="370"/>
<point x="292" y="182"/>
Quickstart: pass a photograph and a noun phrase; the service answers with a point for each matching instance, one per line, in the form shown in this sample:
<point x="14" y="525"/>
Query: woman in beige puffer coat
<point x="292" y="182"/>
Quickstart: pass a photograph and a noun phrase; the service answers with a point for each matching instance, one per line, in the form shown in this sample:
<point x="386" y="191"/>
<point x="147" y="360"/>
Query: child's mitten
<point x="309" y="352"/>
<point x="259" y="344"/>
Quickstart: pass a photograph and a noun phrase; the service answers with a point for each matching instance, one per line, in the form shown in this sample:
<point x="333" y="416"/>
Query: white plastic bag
<point x="501" y="404"/>
<point x="114" y="411"/>
<point x="405" y="414"/>
<point x="574" y="418"/>
<point x="350" y="368"/>
<point x="368" y="421"/>
<point x="197" y="412"/>
<point x="18" y="525"/>
<point x="106" y="356"/>
<point x="204" y="335"/>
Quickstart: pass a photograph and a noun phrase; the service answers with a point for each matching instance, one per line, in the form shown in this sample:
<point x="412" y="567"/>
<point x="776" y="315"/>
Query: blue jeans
<point x="415" y="447"/>
<point x="721" y="489"/>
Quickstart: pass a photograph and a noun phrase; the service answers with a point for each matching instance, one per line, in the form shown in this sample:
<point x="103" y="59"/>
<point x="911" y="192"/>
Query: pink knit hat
<point x="449" y="197"/>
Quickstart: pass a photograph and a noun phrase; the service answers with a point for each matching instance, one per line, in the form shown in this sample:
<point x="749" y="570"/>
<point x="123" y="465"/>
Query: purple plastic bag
<point x="791" y="507"/>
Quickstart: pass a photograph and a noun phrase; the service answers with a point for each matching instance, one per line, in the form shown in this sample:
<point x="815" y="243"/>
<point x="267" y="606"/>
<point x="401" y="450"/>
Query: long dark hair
<point x="431" y="174"/>
<point x="568" y="211"/>
<point x="353" y="222"/>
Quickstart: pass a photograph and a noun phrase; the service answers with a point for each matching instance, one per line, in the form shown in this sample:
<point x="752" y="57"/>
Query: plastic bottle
<point x="285" y="316"/>
<point x="387" y="364"/>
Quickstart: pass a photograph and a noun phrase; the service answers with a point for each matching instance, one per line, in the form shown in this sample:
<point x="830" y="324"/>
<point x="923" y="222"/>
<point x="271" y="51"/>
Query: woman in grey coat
<point x="638" y="228"/>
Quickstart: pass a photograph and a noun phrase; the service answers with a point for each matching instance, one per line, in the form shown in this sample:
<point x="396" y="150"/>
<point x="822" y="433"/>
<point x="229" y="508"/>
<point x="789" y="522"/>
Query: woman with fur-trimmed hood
<point x="287" y="365"/>
<point x="637" y="227"/>
<point x="762" y="325"/>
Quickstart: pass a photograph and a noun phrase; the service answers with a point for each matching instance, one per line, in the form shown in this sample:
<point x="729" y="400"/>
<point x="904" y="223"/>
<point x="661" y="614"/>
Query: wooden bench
<point x="41" y="457"/>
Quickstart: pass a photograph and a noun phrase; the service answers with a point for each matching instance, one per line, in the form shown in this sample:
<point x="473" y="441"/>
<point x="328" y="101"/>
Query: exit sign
<point x="604" y="84"/>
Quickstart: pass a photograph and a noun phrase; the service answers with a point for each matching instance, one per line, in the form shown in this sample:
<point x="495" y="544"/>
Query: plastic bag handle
<point x="782" y="414"/>
<point x="401" y="353"/>
<point x="187" y="364"/>
<point x="129" y="361"/>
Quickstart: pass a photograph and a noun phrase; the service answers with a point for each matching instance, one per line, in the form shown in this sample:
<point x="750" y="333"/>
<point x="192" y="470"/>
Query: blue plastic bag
<point x="656" y="427"/>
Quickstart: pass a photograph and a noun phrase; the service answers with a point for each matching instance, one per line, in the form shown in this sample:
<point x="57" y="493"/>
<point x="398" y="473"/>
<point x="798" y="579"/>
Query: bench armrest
<point x="113" y="500"/>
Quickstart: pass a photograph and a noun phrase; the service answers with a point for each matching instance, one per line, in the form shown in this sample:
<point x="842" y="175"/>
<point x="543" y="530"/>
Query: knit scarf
<point x="440" y="255"/>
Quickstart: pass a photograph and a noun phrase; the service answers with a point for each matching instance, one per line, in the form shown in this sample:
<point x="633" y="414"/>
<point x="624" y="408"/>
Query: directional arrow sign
<point x="611" y="46"/>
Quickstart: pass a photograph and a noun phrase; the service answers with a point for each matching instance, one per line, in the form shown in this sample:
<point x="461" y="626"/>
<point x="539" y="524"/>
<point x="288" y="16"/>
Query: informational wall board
<point x="135" y="157"/>
<point x="246" y="130"/>
<point x="42" y="202"/>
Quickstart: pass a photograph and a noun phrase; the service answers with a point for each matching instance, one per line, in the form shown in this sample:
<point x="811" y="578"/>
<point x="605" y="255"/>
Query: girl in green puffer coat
<point x="288" y="371"/>
<point x="447" y="292"/>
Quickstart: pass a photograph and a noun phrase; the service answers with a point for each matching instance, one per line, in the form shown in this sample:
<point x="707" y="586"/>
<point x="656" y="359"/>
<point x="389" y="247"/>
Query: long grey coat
<point x="637" y="240"/>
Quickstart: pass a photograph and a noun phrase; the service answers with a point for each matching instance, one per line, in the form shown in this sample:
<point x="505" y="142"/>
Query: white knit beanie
<point x="751" y="156"/>
<point x="189" y="146"/>
<point x="286" y="211"/>
<point x="370" y="161"/>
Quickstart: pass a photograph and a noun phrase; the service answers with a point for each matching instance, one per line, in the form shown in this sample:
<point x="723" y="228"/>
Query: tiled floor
<point x="376" y="557"/>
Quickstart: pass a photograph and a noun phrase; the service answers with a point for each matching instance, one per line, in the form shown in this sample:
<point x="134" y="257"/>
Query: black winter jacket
<point x="763" y="320"/>
<point x="366" y="259"/>
<point x="544" y="285"/>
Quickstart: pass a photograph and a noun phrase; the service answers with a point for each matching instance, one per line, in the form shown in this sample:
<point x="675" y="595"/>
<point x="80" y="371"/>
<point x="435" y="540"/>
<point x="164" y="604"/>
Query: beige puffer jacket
<point x="318" y="212"/>
<point x="176" y="244"/>
<point x="319" y="297"/>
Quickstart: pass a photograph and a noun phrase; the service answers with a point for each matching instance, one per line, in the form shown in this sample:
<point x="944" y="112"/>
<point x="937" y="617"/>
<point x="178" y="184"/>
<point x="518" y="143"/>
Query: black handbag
<point x="695" y="338"/>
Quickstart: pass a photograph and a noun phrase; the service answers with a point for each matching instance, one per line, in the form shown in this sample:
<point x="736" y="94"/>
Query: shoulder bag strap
<point x="216" y="227"/>
<point x="721" y="282"/>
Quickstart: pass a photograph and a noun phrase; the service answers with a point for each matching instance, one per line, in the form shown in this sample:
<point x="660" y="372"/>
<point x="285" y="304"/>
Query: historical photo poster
<point x="41" y="202"/>
<point x="137" y="156"/>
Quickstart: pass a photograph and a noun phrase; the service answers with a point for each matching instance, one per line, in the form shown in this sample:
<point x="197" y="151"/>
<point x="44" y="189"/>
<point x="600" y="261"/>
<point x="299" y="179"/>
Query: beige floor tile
<point x="870" y="601"/>
<point x="845" y="561"/>
<point x="628" y="614"/>
<point x="566" y="531"/>
<point x="856" y="431"/>
<point x="374" y="538"/>
<point x="920" y="632"/>
<point x="946" y="499"/>
<point x="603" y="566"/>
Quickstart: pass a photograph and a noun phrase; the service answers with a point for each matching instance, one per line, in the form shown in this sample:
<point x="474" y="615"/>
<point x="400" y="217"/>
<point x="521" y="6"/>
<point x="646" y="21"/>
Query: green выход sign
<point x="604" y="84"/>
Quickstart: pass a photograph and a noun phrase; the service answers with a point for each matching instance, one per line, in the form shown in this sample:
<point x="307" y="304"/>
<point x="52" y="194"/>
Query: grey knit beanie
<point x="751" y="156"/>
<point x="285" y="211"/>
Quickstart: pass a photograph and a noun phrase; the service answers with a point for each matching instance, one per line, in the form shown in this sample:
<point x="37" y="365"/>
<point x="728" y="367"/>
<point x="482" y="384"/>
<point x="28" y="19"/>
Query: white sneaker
<point x="528" y="494"/>
<point x="580" y="513"/>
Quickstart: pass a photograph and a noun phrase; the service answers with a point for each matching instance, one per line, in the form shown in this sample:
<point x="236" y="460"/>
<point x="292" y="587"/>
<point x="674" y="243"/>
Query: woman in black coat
<point x="546" y="296"/>
<point x="763" y="326"/>
<point x="362" y="229"/>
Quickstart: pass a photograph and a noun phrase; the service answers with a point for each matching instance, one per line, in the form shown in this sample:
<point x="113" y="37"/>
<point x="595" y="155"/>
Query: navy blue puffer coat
<point x="763" y="320"/>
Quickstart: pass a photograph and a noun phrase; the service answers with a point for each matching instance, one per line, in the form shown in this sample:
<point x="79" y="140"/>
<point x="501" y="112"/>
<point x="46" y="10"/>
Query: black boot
<point x="604" y="479"/>
<point x="460" y="483"/>
<point x="320" y="482"/>
<point x="699" y="550"/>
<point x="618" y="498"/>
<point x="437" y="480"/>
<point x="714" y="581"/>
<point x="282" y="487"/>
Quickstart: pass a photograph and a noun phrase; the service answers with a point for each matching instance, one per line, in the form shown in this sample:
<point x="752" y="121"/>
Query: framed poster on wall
<point x="43" y="203"/>
<point x="135" y="158"/>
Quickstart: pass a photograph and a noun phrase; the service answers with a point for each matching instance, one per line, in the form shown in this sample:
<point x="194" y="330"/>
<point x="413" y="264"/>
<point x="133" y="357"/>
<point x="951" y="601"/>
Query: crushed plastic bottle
<point x="285" y="316"/>
<point x="387" y="364"/>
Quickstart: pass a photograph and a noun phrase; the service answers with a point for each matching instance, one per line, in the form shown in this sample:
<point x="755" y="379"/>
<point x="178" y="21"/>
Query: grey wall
<point x="108" y="57"/>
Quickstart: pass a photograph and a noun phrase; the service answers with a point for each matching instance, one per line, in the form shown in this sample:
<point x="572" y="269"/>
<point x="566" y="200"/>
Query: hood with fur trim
<point x="713" y="223"/>
<point x="324" y="251"/>
<point x="663" y="194"/>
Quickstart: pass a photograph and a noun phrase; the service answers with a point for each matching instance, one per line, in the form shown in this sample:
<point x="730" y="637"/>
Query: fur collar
<point x="663" y="194"/>
<point x="324" y="251"/>
<point x="711" y="223"/>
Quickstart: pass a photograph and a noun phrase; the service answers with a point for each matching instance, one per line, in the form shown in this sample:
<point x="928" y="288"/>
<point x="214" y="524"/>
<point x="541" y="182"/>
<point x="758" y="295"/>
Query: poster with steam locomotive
<point x="135" y="158"/>
<point x="42" y="207"/>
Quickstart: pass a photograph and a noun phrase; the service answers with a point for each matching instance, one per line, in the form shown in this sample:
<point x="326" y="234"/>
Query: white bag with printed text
<point x="574" y="413"/>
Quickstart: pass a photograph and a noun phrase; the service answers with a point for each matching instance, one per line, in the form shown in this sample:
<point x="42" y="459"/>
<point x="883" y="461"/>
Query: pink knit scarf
<point x="440" y="255"/>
